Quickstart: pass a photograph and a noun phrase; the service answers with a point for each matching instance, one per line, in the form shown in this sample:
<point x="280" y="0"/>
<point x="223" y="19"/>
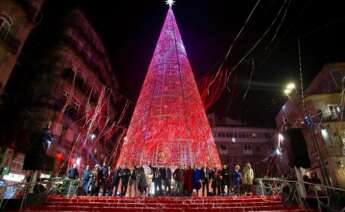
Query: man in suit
<point x="125" y="174"/>
<point x="115" y="181"/>
<point x="104" y="177"/>
<point x="156" y="179"/>
<point x="226" y="179"/>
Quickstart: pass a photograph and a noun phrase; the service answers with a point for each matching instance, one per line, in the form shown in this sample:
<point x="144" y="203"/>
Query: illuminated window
<point x="334" y="111"/>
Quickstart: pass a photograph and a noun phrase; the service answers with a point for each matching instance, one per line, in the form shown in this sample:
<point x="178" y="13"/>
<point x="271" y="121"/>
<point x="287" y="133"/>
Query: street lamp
<point x="289" y="88"/>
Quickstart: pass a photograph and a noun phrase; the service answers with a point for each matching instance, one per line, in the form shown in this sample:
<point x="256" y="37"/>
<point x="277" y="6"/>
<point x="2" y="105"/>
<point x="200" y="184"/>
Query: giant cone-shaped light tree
<point x="169" y="126"/>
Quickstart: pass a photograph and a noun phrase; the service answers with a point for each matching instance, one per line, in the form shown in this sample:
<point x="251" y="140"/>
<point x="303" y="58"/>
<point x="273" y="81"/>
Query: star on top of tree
<point x="170" y="2"/>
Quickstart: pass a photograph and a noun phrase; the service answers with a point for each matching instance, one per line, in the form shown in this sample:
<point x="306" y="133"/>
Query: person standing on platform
<point x="115" y="181"/>
<point x="213" y="180"/>
<point x="248" y="177"/>
<point x="178" y="176"/>
<point x="205" y="179"/>
<point x="125" y="174"/>
<point x="137" y="181"/>
<point x="142" y="184"/>
<point x="73" y="173"/>
<point x="226" y="179"/>
<point x="237" y="179"/>
<point x="86" y="180"/>
<point x="162" y="175"/>
<point x="167" y="181"/>
<point x="95" y="182"/>
<point x="109" y="182"/>
<point x="156" y="179"/>
<point x="132" y="182"/>
<point x="196" y="178"/>
<point x="218" y="181"/>
<point x="188" y="183"/>
<point x="104" y="178"/>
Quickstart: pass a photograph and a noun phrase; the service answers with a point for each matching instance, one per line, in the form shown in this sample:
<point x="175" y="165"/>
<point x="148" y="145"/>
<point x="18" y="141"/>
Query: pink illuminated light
<point x="169" y="126"/>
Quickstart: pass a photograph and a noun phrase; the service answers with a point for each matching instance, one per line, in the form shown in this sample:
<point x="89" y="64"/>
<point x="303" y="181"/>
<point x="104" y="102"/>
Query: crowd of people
<point x="157" y="181"/>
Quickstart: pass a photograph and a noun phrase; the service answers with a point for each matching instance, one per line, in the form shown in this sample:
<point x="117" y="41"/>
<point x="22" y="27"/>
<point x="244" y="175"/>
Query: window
<point x="5" y="26"/>
<point x="247" y="147"/>
<point x="334" y="111"/>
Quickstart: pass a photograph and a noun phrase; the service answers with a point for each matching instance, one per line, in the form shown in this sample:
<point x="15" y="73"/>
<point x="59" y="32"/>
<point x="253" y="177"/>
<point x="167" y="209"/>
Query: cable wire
<point x="234" y="41"/>
<point x="256" y="43"/>
<point x="301" y="74"/>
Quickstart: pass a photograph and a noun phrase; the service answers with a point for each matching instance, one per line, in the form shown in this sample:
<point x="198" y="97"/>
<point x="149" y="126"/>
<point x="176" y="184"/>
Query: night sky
<point x="130" y="30"/>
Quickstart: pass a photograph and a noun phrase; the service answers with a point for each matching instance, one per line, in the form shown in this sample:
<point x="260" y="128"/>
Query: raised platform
<point x="233" y="203"/>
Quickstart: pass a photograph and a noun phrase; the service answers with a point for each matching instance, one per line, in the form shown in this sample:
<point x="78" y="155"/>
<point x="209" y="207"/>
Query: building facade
<point x="17" y="19"/>
<point x="320" y="117"/>
<point x="71" y="89"/>
<point x="238" y="144"/>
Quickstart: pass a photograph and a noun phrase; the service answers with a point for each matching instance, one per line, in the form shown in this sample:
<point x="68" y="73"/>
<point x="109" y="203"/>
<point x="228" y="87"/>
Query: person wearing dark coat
<point x="178" y="176"/>
<point x="205" y="179"/>
<point x="226" y="179"/>
<point x="104" y="178"/>
<point x="133" y="182"/>
<point x="213" y="180"/>
<point x="188" y="183"/>
<point x="142" y="185"/>
<point x="124" y="174"/>
<point x="162" y="174"/>
<point x="156" y="179"/>
<point x="86" y="180"/>
<point x="73" y="173"/>
<point x="115" y="181"/>
<point x="167" y="180"/>
<point x="109" y="182"/>
<point x="218" y="181"/>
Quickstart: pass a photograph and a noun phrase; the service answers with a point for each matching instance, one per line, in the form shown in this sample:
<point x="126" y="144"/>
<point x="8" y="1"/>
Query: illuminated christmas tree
<point x="169" y="126"/>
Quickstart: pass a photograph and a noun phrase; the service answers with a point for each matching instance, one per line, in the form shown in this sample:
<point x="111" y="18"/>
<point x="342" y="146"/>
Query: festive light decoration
<point x="170" y="2"/>
<point x="169" y="126"/>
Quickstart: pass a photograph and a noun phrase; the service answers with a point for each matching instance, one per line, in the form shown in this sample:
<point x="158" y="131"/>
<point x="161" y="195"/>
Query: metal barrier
<point x="15" y="187"/>
<point x="40" y="189"/>
<point x="309" y="195"/>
